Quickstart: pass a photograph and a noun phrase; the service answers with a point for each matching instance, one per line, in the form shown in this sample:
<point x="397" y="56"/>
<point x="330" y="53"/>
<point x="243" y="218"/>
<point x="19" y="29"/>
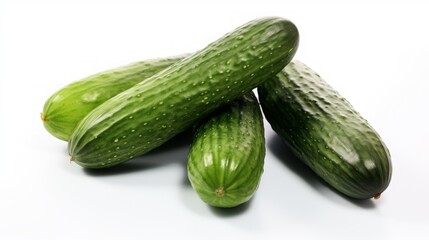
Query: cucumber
<point x="325" y="132"/>
<point x="65" y="108"/>
<point x="148" y="114"/>
<point x="226" y="158"/>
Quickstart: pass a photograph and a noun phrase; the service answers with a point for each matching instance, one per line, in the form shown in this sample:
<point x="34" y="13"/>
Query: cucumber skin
<point x="325" y="132"/>
<point x="69" y="105"/>
<point x="227" y="154"/>
<point x="148" y="114"/>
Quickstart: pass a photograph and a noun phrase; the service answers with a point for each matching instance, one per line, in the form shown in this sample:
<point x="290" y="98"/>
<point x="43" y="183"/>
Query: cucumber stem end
<point x="377" y="196"/>
<point x="220" y="192"/>
<point x="44" y="119"/>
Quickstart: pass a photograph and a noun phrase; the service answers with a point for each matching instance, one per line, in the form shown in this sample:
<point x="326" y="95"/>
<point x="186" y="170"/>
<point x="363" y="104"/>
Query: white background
<point x="375" y="53"/>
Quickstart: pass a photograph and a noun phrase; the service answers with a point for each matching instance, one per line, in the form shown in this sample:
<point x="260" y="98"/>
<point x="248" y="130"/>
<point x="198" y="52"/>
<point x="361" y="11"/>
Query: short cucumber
<point x="325" y="132"/>
<point x="148" y="114"/>
<point x="226" y="159"/>
<point x="65" y="108"/>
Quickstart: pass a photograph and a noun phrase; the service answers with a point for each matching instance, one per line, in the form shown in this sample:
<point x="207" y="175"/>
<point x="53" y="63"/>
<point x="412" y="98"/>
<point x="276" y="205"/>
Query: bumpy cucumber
<point x="226" y="159"/>
<point x="148" y="114"/>
<point x="65" y="108"/>
<point x="325" y="132"/>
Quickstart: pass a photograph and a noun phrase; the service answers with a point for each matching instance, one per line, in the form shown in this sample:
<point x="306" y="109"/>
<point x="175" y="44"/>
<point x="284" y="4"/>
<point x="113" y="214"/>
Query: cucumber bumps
<point x="226" y="159"/>
<point x="148" y="114"/>
<point x="325" y="132"/>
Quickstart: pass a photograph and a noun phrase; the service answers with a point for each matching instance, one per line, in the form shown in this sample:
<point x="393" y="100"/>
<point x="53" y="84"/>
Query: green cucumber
<point x="65" y="108"/>
<point x="325" y="132"/>
<point x="226" y="159"/>
<point x="147" y="115"/>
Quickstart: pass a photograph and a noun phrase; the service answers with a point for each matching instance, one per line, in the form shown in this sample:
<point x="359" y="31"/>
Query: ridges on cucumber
<point x="148" y="114"/>
<point x="69" y="105"/>
<point x="226" y="158"/>
<point x="325" y="132"/>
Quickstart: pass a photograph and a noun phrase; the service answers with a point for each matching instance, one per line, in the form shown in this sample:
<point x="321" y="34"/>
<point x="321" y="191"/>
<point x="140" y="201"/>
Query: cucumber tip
<point x="43" y="117"/>
<point x="220" y="192"/>
<point x="377" y="196"/>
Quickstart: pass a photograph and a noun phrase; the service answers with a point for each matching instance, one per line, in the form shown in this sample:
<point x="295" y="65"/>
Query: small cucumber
<point x="226" y="159"/>
<point x="148" y="114"/>
<point x="65" y="108"/>
<point x="325" y="132"/>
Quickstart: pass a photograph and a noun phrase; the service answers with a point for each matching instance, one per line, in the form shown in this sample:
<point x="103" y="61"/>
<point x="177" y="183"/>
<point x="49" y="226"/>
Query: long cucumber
<point x="148" y="114"/>
<point x="69" y="105"/>
<point x="326" y="132"/>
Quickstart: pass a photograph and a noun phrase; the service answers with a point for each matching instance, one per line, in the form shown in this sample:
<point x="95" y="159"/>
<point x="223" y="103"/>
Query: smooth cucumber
<point x="69" y="105"/>
<point x="226" y="158"/>
<point x="148" y="114"/>
<point x="325" y="132"/>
